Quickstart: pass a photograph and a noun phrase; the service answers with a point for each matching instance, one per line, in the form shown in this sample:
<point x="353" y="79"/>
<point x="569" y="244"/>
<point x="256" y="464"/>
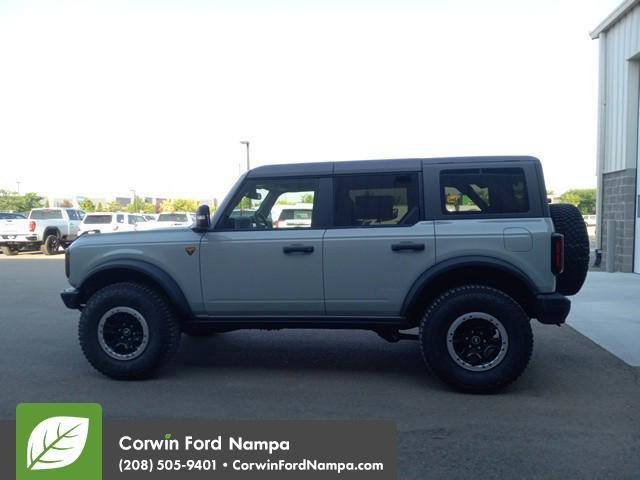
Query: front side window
<point x="273" y="204"/>
<point x="73" y="215"/>
<point x="376" y="200"/>
<point x="484" y="191"/>
<point x="120" y="218"/>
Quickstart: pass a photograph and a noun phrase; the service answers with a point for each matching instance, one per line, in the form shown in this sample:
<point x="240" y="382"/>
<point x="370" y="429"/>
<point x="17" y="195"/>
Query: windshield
<point x="173" y="217"/>
<point x="97" y="219"/>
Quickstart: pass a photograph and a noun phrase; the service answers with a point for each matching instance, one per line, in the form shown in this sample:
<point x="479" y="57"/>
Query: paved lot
<point x="607" y="310"/>
<point x="574" y="414"/>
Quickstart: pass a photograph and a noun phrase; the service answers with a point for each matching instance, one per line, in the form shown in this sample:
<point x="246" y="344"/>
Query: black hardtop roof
<point x="372" y="166"/>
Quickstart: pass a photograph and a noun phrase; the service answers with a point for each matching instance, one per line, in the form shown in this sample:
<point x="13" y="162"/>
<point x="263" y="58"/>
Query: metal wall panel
<point x="622" y="44"/>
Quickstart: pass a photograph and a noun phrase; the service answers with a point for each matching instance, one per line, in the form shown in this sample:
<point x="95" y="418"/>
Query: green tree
<point x="179" y="205"/>
<point x="139" y="205"/>
<point x="583" y="198"/>
<point x="19" y="203"/>
<point x="307" y="198"/>
<point x="87" y="205"/>
<point x="99" y="207"/>
<point x="114" y="207"/>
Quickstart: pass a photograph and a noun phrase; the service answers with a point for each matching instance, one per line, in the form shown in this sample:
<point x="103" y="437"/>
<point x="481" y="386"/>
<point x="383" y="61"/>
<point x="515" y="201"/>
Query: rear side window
<point x="484" y="191"/>
<point x="45" y="214"/>
<point x="376" y="200"/>
<point x="97" y="219"/>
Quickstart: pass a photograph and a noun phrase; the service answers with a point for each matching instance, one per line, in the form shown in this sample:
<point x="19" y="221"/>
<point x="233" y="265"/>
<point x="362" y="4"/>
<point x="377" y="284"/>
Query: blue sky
<point x="102" y="97"/>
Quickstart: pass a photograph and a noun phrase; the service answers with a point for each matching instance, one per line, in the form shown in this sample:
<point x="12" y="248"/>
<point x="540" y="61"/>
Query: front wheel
<point x="476" y="338"/>
<point x="128" y="331"/>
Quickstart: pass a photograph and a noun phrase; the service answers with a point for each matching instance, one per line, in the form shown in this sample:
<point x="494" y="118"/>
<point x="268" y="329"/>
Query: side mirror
<point x="203" y="218"/>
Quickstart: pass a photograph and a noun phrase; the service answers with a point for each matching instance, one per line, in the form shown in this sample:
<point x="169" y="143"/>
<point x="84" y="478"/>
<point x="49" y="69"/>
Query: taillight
<point x="557" y="253"/>
<point x="32" y="226"/>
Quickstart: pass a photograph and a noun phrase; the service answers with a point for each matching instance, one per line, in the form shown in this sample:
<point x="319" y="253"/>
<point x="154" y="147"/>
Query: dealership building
<point x="618" y="228"/>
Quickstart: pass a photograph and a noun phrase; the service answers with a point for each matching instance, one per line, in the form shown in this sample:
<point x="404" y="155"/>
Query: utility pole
<point x="246" y="142"/>
<point x="18" y="183"/>
<point x="133" y="199"/>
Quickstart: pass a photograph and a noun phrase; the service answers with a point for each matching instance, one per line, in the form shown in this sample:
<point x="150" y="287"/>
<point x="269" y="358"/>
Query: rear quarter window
<point x="486" y="191"/>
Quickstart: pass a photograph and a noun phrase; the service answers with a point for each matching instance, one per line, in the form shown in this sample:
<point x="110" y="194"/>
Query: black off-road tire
<point x="163" y="330"/>
<point x="457" y="302"/>
<point x="568" y="221"/>
<point x="9" y="251"/>
<point x="51" y="245"/>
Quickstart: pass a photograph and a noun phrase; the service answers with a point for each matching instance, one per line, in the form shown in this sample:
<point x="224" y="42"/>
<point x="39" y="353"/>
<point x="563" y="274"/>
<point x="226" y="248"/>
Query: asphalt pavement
<point x="575" y="413"/>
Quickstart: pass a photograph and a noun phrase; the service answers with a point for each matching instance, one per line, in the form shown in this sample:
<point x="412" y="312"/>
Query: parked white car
<point x="46" y="229"/>
<point x="295" y="216"/>
<point x="175" y="219"/>
<point x="109" y="222"/>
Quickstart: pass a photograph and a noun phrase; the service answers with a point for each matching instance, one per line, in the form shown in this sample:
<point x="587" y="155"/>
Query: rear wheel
<point x="476" y="338"/>
<point x="9" y="251"/>
<point x="128" y="331"/>
<point x="50" y="245"/>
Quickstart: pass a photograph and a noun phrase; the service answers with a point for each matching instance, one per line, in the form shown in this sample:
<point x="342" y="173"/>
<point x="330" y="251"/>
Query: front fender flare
<point x="169" y="286"/>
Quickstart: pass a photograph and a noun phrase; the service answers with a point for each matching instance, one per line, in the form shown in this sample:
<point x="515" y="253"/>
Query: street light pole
<point x="246" y="142"/>
<point x="133" y="199"/>
<point x="18" y="183"/>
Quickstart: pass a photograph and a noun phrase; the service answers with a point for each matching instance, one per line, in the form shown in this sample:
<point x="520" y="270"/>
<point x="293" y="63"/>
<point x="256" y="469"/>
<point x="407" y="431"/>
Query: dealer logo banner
<point x="58" y="441"/>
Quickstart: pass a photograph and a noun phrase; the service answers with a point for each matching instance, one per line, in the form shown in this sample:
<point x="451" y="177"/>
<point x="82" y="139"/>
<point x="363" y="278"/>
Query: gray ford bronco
<point x="465" y="249"/>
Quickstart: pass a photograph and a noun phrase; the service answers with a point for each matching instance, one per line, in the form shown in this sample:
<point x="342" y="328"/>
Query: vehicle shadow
<point x="304" y="350"/>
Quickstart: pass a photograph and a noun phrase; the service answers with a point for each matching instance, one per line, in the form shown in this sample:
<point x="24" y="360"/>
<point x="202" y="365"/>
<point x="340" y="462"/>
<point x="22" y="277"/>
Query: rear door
<point x="378" y="245"/>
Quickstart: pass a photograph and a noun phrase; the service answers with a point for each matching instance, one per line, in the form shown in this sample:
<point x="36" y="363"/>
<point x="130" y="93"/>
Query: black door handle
<point x="399" y="247"/>
<point x="298" y="249"/>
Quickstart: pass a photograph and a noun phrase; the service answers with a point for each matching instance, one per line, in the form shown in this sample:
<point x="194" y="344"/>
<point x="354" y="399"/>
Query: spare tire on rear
<point x="568" y="221"/>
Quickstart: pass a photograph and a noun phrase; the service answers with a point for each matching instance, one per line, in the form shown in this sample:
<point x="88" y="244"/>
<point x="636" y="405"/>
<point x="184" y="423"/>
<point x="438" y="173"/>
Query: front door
<point x="259" y="262"/>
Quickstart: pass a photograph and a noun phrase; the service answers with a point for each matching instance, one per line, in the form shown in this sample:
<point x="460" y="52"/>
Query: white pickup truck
<point x="46" y="229"/>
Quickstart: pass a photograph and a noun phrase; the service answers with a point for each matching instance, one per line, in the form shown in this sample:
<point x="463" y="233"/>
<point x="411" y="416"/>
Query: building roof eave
<point x="613" y="18"/>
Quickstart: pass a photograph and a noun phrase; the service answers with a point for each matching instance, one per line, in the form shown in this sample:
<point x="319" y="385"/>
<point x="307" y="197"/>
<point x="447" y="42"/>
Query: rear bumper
<point x="71" y="298"/>
<point x="552" y="308"/>
<point x="11" y="239"/>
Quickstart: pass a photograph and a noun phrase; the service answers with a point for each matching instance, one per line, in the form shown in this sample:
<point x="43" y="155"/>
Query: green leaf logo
<point x="57" y="442"/>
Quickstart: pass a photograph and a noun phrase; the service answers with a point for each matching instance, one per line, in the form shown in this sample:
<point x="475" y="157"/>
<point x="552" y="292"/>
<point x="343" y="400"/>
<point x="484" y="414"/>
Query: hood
<point x="161" y="235"/>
